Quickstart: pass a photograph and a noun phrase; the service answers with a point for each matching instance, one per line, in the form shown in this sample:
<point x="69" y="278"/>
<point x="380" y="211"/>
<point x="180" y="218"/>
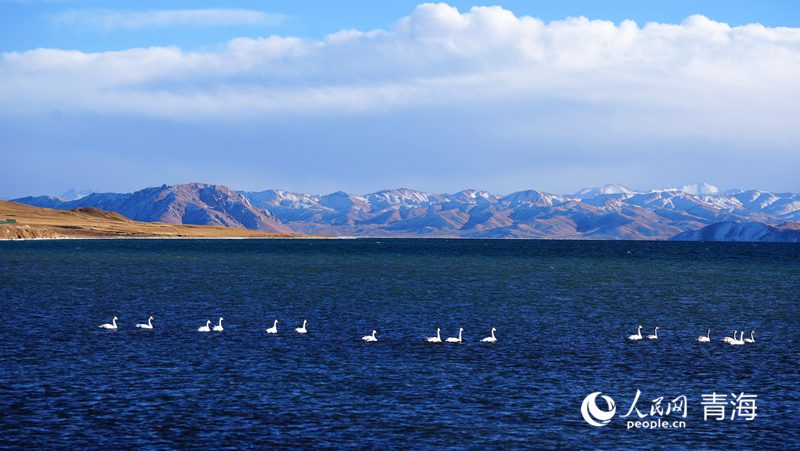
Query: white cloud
<point x="684" y="79"/>
<point x="110" y="20"/>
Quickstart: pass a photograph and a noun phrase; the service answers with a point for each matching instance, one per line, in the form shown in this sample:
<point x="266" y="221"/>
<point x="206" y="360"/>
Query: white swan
<point x="302" y="330"/>
<point x="491" y="339"/>
<point x="112" y="325"/>
<point x="655" y="334"/>
<point x="436" y="339"/>
<point x="370" y="337"/>
<point x="729" y="339"/>
<point x="149" y="324"/>
<point x="454" y="339"/>
<point x="205" y="328"/>
<point x="637" y="336"/>
<point x="274" y="328"/>
<point x="218" y="327"/>
<point x="752" y="338"/>
<point x="738" y="342"/>
<point x="705" y="338"/>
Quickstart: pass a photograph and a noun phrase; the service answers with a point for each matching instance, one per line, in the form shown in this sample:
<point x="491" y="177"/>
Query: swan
<point x="491" y="339"/>
<point x="738" y="342"/>
<point x="205" y="328"/>
<point x="705" y="338"/>
<point x="752" y="338"/>
<point x="655" y="334"/>
<point x="149" y="324"/>
<point x="436" y="339"/>
<point x="218" y="327"/>
<point x="454" y="339"/>
<point x="370" y="337"/>
<point x="112" y="326"/>
<point x="637" y="336"/>
<point x="274" y="328"/>
<point x="729" y="339"/>
<point x="302" y="330"/>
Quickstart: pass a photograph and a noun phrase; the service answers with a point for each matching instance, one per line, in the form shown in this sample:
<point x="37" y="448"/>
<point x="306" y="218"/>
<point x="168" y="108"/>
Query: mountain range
<point x="609" y="212"/>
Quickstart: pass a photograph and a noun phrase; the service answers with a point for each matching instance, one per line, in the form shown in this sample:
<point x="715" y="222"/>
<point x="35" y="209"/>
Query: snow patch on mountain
<point x="472" y="196"/>
<point x="74" y="194"/>
<point x="611" y="188"/>
<point x="401" y="197"/>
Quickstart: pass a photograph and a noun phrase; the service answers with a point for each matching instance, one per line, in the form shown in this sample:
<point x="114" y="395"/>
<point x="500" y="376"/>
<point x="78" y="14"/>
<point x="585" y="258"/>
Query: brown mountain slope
<point x="89" y="222"/>
<point x="191" y="203"/>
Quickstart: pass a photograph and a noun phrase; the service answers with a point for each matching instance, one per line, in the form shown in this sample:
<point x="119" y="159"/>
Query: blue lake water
<point x="562" y="310"/>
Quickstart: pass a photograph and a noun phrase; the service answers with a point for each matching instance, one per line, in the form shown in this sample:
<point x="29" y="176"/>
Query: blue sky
<point x="27" y="24"/>
<point x="364" y="95"/>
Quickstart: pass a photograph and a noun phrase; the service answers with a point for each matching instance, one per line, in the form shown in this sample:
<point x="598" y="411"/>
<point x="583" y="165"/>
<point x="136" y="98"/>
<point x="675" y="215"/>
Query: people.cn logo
<point x="593" y="414"/>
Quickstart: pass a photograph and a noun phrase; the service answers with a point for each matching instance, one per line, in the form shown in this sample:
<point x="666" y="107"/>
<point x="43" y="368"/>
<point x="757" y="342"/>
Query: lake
<point x="562" y="310"/>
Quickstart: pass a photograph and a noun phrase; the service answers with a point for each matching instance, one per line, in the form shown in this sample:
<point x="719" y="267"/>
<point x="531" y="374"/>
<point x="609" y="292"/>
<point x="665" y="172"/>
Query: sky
<point x="359" y="96"/>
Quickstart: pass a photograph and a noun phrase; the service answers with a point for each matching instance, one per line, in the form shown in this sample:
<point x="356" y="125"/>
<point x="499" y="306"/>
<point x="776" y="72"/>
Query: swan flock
<point x="731" y="340"/>
<point x="373" y="337"/>
<point x="735" y="339"/>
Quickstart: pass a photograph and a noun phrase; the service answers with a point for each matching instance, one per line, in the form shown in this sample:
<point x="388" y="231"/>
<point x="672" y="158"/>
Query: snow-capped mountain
<point x="472" y="196"/>
<point x="390" y="198"/>
<point x="611" y="188"/>
<point x="609" y="212"/>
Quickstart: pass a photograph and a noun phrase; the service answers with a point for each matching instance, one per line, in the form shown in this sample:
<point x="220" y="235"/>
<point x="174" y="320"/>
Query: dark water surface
<point x="562" y="310"/>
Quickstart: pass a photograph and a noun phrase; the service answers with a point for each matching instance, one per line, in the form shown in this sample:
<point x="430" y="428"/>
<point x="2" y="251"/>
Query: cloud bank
<point x="435" y="56"/>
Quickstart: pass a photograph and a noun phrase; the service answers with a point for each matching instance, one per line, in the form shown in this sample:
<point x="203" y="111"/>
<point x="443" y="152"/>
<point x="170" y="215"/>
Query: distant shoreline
<point x="355" y="238"/>
<point x="73" y="238"/>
